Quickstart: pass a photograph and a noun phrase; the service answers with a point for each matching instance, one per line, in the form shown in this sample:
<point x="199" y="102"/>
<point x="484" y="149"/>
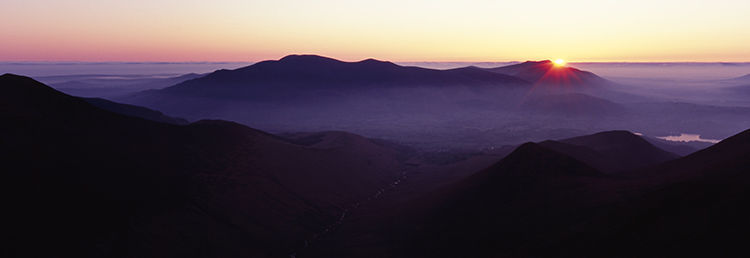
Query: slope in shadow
<point x="83" y="181"/>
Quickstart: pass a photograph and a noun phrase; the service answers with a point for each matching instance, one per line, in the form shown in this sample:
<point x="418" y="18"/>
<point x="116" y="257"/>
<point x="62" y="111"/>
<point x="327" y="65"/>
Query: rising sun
<point x="560" y="62"/>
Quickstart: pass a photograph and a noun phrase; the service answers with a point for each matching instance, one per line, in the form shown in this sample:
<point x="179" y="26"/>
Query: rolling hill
<point x="612" y="151"/>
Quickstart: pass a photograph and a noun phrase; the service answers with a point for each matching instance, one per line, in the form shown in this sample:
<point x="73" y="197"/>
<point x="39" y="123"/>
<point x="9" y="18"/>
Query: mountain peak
<point x="607" y="138"/>
<point x="316" y="59"/>
<point x="306" y="58"/>
<point x="539" y="160"/>
<point x="612" y="151"/>
<point x="297" y="74"/>
<point x="622" y="134"/>
<point x="9" y="76"/>
<point x="372" y="60"/>
<point x="17" y="88"/>
<point x="545" y="72"/>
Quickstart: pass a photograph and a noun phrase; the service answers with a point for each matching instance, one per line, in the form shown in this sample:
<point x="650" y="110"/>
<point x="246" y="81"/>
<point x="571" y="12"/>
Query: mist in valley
<point x="655" y="99"/>
<point x="308" y="156"/>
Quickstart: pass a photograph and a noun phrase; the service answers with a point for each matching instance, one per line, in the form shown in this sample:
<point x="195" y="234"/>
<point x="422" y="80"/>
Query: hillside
<point x="81" y="180"/>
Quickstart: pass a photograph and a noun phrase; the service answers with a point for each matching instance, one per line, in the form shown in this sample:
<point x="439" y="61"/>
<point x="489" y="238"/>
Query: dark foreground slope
<point x="81" y="181"/>
<point x="517" y="207"/>
<point x="540" y="202"/>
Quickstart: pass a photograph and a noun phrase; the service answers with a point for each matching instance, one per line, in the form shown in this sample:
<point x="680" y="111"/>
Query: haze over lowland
<point x="356" y="128"/>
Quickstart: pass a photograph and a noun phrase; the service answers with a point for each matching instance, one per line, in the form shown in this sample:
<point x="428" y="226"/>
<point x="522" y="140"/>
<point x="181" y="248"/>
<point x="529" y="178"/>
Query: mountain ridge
<point x="305" y="70"/>
<point x="86" y="181"/>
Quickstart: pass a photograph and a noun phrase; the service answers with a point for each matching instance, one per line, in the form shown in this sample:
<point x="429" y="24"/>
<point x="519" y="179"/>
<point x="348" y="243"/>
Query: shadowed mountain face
<point x="547" y="74"/>
<point x="83" y="181"/>
<point x="509" y="209"/>
<point x="541" y="202"/>
<point x="700" y="207"/>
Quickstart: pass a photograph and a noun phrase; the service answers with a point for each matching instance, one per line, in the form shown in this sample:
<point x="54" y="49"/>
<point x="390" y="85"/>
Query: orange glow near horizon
<point x="559" y="62"/>
<point x="400" y="31"/>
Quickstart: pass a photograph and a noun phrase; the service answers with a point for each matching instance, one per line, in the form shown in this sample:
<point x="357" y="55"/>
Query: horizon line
<point x="238" y="62"/>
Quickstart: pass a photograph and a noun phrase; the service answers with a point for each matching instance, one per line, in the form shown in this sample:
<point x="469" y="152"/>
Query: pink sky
<point x="417" y="30"/>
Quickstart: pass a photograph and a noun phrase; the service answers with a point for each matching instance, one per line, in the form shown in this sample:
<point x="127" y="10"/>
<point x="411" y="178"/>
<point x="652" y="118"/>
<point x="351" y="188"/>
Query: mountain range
<point x="294" y="73"/>
<point x="370" y="97"/>
<point x="88" y="182"/>
<point x="90" y="177"/>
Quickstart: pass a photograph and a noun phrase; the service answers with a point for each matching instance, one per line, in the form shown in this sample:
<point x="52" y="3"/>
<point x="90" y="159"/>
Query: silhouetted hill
<point x="85" y="182"/>
<point x="546" y="73"/>
<point x="301" y="93"/>
<point x="697" y="207"/>
<point x="135" y="111"/>
<point x="540" y="202"/>
<point x="611" y="152"/>
<point x="314" y="73"/>
<point x="509" y="209"/>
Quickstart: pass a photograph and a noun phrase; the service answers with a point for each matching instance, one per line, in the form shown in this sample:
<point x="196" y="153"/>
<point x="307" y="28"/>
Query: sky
<point x="396" y="30"/>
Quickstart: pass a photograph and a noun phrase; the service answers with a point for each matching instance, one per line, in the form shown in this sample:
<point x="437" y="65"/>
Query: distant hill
<point x="545" y="73"/>
<point x="612" y="151"/>
<point x="311" y="93"/>
<point x="83" y="181"/>
<point x="314" y="73"/>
